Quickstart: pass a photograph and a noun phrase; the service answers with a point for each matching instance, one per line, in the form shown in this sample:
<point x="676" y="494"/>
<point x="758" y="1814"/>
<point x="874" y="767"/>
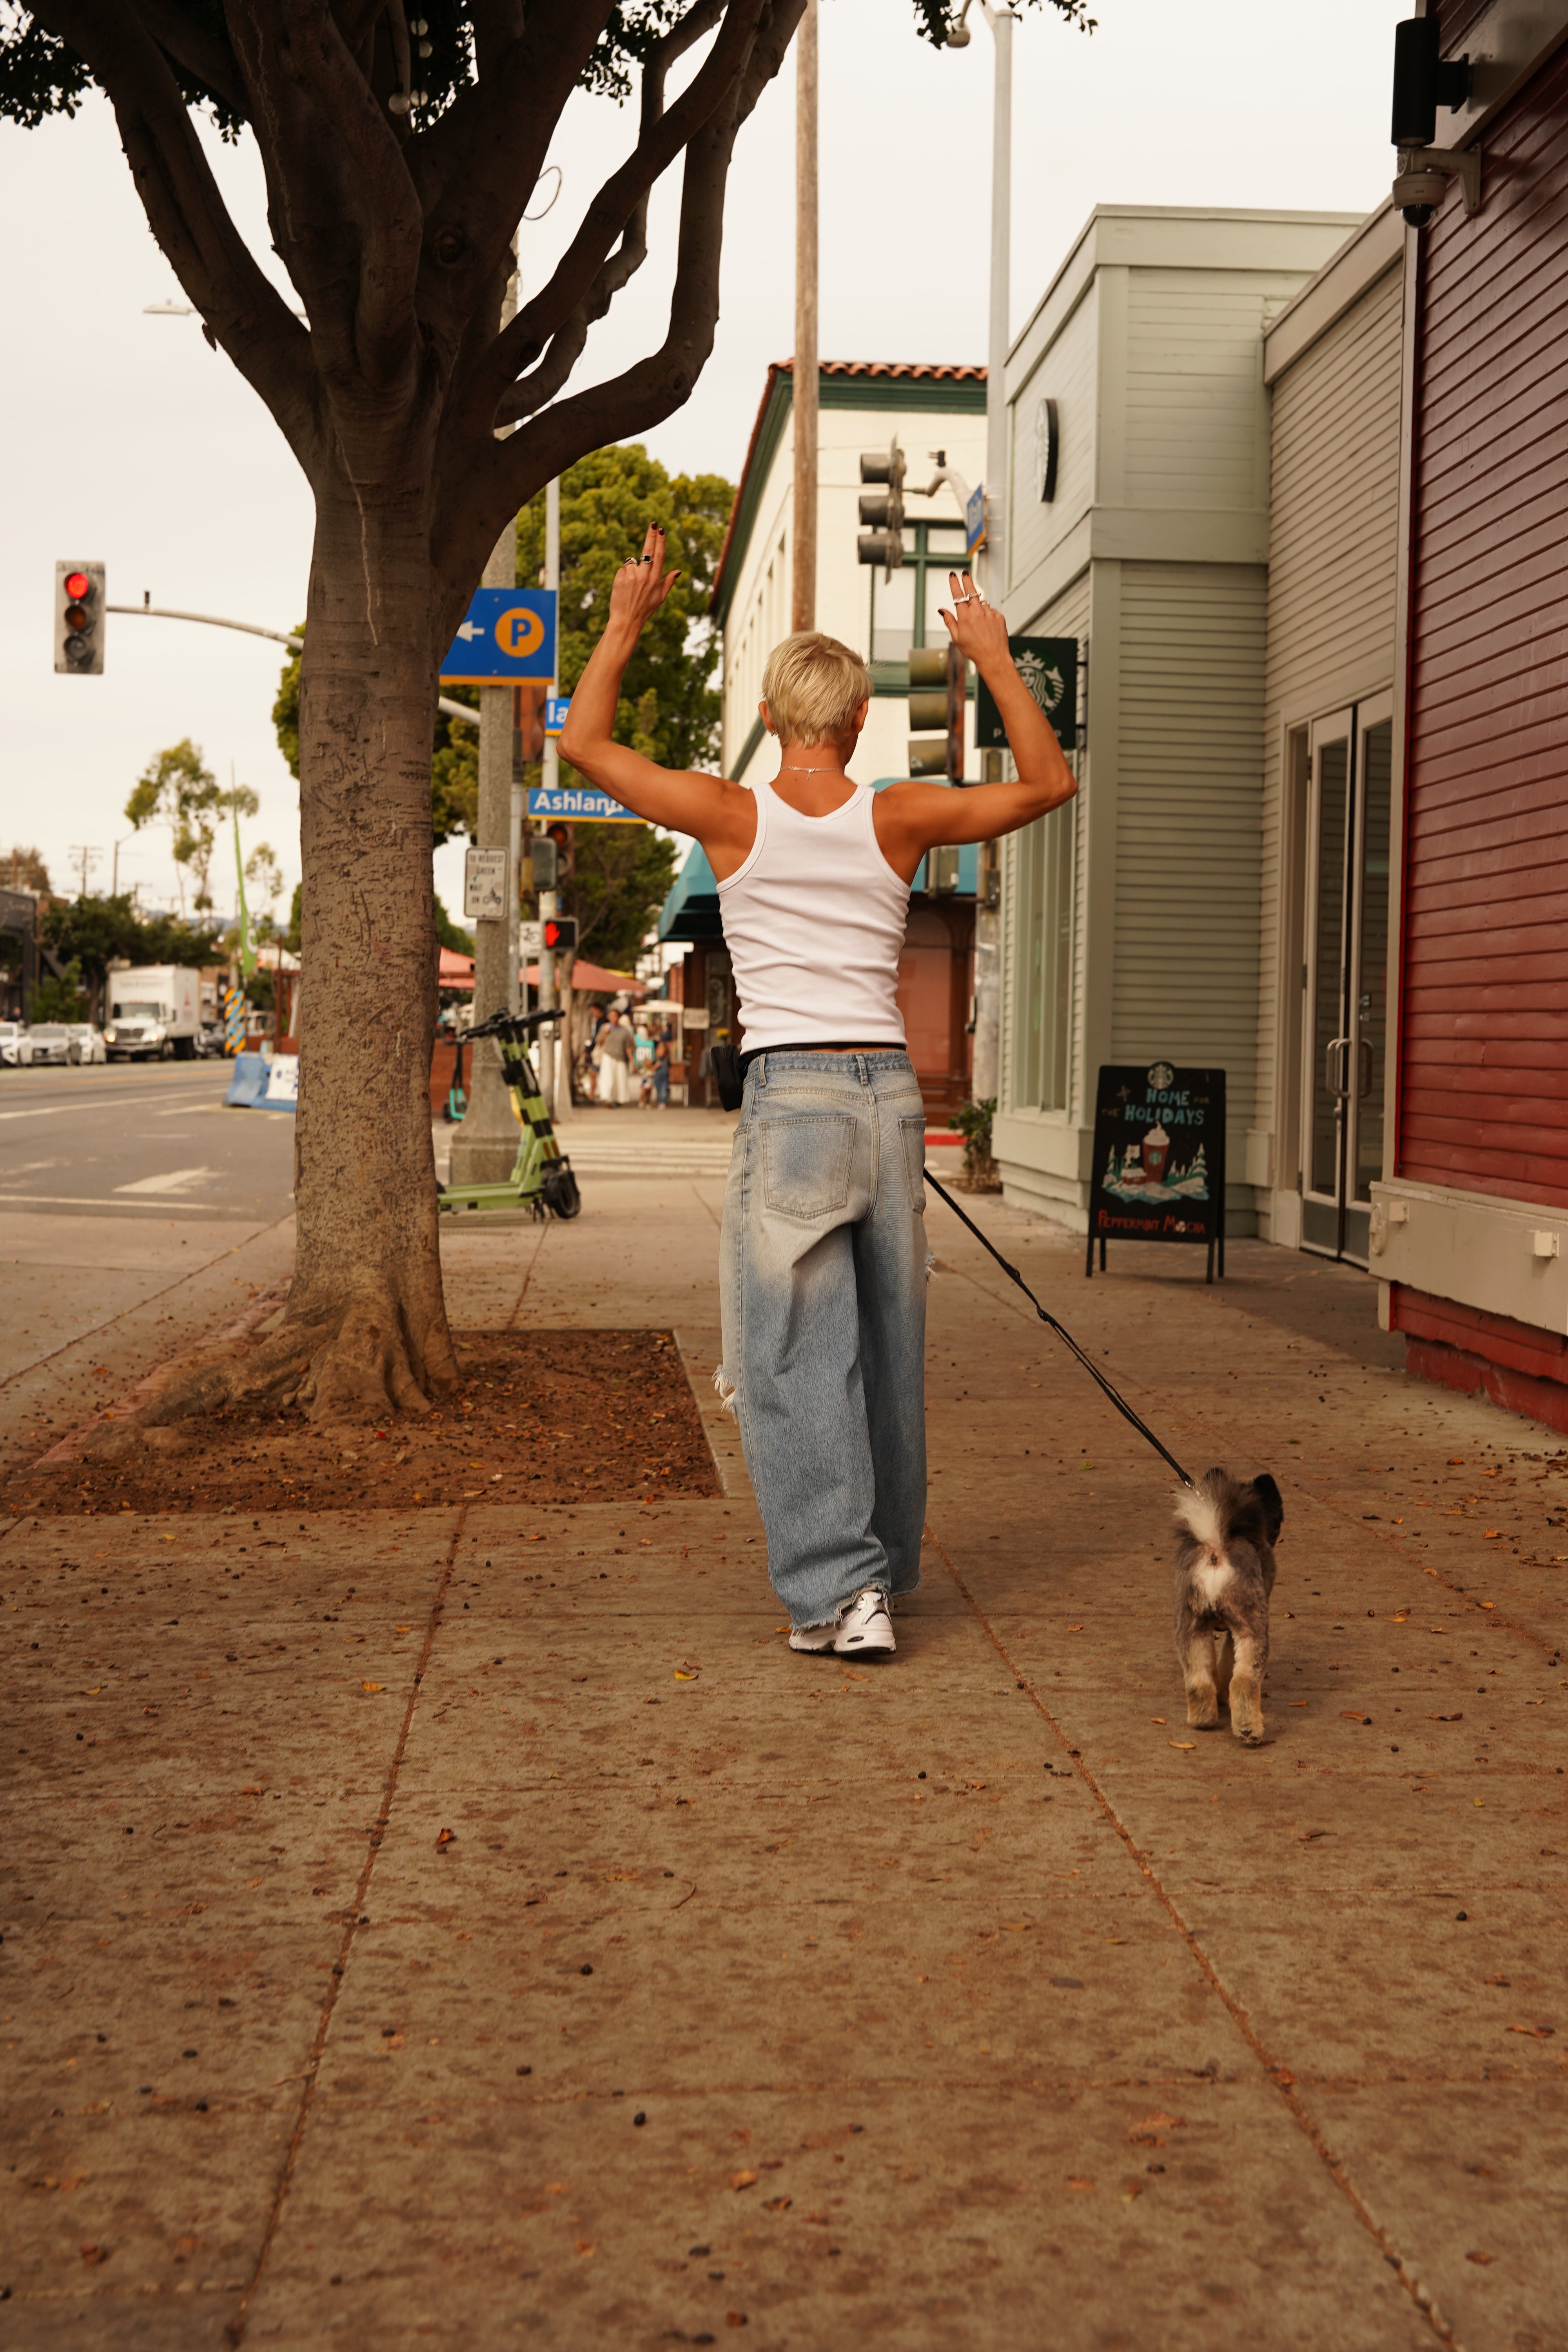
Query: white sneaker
<point x="864" y="1624"/>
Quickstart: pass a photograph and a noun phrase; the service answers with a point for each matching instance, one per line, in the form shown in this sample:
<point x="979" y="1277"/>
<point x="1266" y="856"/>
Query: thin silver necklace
<point x="828" y="769"/>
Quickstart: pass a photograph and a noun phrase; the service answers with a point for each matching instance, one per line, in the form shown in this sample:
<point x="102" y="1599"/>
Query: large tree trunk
<point x="366" y="1326"/>
<point x="366" y="1301"/>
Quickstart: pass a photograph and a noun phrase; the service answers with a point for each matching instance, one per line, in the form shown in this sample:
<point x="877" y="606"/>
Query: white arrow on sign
<point x="467" y="630"/>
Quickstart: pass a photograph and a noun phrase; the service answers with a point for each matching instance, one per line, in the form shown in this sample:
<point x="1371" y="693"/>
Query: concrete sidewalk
<point x="966" y="2002"/>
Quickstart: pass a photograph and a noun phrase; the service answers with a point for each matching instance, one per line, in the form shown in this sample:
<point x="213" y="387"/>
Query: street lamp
<point x="1001" y="21"/>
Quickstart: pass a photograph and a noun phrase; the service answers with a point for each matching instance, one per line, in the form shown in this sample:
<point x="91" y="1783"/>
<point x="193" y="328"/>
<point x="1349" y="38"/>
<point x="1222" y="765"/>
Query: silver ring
<point x="964" y="600"/>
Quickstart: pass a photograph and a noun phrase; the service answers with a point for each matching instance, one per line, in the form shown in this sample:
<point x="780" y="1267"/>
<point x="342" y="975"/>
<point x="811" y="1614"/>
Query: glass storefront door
<point x="1346" y="1026"/>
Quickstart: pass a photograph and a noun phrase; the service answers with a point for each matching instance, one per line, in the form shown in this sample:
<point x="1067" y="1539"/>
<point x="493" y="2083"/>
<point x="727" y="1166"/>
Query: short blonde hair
<point x="813" y="687"/>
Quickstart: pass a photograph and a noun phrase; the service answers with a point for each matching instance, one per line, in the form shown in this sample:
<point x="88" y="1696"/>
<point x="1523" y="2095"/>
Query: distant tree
<point x="395" y="182"/>
<point x="620" y="877"/>
<point x="670" y="703"/>
<point x="60" y="997"/>
<point x="451" y="935"/>
<point x="175" y="789"/>
<point x="24" y="869"/>
<point x="90" y="934"/>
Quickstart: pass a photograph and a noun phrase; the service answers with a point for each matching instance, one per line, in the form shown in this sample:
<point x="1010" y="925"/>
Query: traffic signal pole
<point x="485" y="1146"/>
<point x="802" y="569"/>
<point x="548" y="1061"/>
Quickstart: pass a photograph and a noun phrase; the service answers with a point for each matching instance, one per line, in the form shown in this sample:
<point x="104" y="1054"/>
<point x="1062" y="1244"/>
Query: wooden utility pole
<point x="803" y="600"/>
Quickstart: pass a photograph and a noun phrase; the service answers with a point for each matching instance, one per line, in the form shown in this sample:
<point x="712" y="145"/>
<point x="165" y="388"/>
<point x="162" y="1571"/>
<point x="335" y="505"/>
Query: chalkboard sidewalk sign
<point x="1159" y="1159"/>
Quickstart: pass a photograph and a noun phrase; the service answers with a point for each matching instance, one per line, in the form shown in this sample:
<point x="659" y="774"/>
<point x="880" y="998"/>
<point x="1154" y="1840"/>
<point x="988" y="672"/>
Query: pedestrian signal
<point x="939" y="685"/>
<point x="884" y="542"/>
<point x="78" y="619"/>
<point x="561" y="934"/>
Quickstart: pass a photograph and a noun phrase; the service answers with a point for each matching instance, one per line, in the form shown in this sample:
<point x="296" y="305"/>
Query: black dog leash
<point x="1122" y="1407"/>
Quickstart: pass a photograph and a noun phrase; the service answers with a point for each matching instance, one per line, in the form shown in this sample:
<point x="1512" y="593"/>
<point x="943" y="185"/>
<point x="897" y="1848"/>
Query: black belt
<point x="814" y="1046"/>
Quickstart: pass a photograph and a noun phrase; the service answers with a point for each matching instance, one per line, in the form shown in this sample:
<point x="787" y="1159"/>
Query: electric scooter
<point x="542" y="1181"/>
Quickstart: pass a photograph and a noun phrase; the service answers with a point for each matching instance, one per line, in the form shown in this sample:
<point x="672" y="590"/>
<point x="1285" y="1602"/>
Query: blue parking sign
<point x="506" y="634"/>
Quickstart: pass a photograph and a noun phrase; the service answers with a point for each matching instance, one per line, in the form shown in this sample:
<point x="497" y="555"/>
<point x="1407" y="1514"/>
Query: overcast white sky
<point x="132" y="442"/>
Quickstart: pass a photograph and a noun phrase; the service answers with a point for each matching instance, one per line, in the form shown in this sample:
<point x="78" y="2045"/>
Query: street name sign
<point x="579" y="801"/>
<point x="506" y="634"/>
<point x="974" y="520"/>
<point x="555" y="711"/>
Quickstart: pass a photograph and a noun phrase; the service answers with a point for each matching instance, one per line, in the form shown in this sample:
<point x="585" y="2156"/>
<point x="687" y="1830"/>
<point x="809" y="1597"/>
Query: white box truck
<point x="154" y="1013"/>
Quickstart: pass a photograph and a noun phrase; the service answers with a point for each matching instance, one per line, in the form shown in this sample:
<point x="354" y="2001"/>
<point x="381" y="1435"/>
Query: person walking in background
<point x="823" y="1247"/>
<point x="616" y="1068"/>
<point x="660" y="1076"/>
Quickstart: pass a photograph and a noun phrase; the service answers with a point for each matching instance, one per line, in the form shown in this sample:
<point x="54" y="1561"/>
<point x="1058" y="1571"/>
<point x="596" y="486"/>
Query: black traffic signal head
<point x="939" y="681"/>
<point x="561" y="934"/>
<point x="883" y="542"/>
<point x="78" y="619"/>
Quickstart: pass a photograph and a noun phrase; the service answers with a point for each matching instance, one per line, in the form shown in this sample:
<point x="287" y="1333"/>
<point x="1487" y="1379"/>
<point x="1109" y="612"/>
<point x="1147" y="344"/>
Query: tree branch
<point x="486" y="480"/>
<point x="621" y="203"/>
<point x="318" y="124"/>
<point x="193" y="48"/>
<point x="241" y="307"/>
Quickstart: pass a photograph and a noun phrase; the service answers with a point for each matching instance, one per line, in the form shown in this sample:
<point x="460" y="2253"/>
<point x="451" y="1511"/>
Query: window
<point x="1044" y="868"/>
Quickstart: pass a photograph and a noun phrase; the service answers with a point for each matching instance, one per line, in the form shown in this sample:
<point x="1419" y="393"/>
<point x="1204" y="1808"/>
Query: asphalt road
<point x="133" y="1140"/>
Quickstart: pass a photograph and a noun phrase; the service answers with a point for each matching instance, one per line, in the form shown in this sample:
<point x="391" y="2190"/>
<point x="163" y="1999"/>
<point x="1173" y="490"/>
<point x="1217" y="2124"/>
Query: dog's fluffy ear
<point x="1269" y="1494"/>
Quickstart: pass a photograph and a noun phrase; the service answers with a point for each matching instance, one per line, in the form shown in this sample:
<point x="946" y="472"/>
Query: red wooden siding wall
<point x="1483" y="1097"/>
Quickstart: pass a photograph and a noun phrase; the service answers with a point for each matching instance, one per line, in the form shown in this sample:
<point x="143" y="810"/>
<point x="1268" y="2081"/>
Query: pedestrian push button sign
<point x="506" y="634"/>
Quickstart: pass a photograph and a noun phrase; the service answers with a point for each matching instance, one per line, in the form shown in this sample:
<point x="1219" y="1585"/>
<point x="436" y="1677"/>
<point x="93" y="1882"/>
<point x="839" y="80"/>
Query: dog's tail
<point x="1199" y="1511"/>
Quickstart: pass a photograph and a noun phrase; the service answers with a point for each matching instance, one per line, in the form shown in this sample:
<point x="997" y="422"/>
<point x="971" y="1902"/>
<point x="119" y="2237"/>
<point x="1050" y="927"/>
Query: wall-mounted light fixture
<point x="1423" y="79"/>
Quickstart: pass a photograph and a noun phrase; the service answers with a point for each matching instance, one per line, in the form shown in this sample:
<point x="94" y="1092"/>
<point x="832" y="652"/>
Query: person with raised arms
<point x="822" y="1250"/>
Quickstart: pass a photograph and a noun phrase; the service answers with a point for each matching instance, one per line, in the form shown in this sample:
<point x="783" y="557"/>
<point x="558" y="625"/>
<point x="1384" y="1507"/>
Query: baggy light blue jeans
<point x="823" y="1299"/>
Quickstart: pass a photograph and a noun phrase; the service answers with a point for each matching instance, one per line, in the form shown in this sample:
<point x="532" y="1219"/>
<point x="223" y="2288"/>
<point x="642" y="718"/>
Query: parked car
<point x="209" y="1044"/>
<point x="11" y="1035"/>
<point x="87" y="1043"/>
<point x="46" y="1041"/>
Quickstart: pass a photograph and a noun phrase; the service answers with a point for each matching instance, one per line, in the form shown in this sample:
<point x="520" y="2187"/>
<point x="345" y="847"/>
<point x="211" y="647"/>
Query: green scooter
<point x="542" y="1181"/>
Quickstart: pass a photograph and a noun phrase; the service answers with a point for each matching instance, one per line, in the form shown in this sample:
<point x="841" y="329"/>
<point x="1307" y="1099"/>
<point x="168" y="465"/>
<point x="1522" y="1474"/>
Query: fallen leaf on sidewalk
<point x="372" y="1687"/>
<point x="1299" y="1702"/>
<point x="777" y="2204"/>
<point x="1479" y="2257"/>
<point x="1306" y="1836"/>
<point x="1350" y="1715"/>
<point x="685" y="1674"/>
<point x="1281" y="2074"/>
<point x="1536" y="2032"/>
<point x="1156" y="1718"/>
<point x="1075" y="1629"/>
<point x="1185" y="1745"/>
<point x="95" y="2254"/>
<point x="446" y="1837"/>
<point x="742" y="2180"/>
<point x="403" y="1629"/>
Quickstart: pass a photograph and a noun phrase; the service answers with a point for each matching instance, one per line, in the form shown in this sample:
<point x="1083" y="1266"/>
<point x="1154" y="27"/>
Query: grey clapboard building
<point x="1131" y="926"/>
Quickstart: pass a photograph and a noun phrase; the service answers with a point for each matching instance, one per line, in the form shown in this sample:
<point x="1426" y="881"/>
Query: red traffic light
<point x="78" y="587"/>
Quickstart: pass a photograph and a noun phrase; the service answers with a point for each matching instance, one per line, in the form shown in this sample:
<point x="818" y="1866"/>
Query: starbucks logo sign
<point x="1161" y="1076"/>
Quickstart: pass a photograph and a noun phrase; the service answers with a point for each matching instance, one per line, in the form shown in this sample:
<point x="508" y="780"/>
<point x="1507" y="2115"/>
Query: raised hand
<point x="976" y="628"/>
<point x="641" y="585"/>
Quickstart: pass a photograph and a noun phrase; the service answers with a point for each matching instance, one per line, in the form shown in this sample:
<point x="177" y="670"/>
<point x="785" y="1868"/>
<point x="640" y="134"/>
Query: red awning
<point x="456" y="972"/>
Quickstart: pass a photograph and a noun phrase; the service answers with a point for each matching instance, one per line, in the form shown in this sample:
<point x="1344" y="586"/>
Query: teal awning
<point x="691" y="910"/>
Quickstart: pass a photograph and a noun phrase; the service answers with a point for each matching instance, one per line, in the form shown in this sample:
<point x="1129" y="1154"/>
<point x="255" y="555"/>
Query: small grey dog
<point x="1225" y="1574"/>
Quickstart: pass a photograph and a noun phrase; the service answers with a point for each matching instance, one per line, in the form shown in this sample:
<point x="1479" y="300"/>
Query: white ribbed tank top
<point x="814" y="921"/>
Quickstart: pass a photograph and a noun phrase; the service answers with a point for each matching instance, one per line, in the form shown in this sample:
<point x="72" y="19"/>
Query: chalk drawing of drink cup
<point x="1156" y="1151"/>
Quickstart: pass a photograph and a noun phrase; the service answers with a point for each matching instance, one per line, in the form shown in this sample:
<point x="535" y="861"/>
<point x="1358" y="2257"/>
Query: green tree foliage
<point x="60" y="998"/>
<point x="670" y="705"/>
<point x="178" y="790"/>
<point x="89" y="934"/>
<point x="934" y="18"/>
<point x="24" y="869"/>
<point x="449" y="934"/>
<point x="620" y="877"/>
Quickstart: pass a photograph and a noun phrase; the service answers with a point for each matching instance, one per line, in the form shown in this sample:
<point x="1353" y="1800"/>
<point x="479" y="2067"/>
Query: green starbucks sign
<point x="1049" y="668"/>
